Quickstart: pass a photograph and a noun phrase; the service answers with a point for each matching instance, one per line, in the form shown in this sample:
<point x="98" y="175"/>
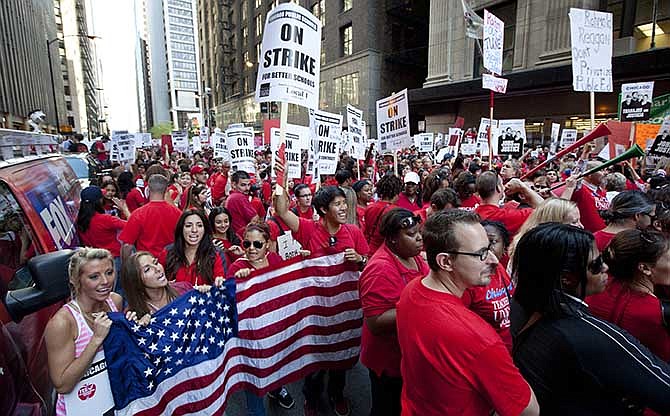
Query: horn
<point x="634" y="151"/>
<point x="599" y="131"/>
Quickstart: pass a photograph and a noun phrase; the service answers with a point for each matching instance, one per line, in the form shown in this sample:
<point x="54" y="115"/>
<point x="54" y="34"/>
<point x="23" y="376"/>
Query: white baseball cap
<point x="412" y="177"/>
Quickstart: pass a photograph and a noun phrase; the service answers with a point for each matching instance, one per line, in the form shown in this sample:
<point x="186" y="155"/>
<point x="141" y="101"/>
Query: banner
<point x="468" y="144"/>
<point x="293" y="152"/>
<point x="240" y="143"/>
<point x="660" y="109"/>
<point x="393" y="122"/>
<point x="483" y="137"/>
<point x="425" y="142"/>
<point x="220" y="146"/>
<point x="661" y="145"/>
<point x="591" y="39"/>
<point x="568" y="137"/>
<point x="555" y="130"/>
<point x="290" y="62"/>
<point x="494" y="30"/>
<point x="511" y="137"/>
<point x="356" y="133"/>
<point x="180" y="141"/>
<point x="494" y="84"/>
<point x="326" y="130"/>
<point x="636" y="101"/>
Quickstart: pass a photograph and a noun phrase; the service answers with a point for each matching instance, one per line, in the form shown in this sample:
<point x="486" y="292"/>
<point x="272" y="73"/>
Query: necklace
<point x="89" y="316"/>
<point x="166" y="295"/>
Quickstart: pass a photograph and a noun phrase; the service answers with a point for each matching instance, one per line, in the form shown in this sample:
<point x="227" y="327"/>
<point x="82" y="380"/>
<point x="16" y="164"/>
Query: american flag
<point x="271" y="329"/>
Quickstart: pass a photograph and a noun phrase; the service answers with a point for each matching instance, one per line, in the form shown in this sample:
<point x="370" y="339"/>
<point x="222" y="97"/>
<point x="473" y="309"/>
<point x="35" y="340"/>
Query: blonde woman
<point x="551" y="210"/>
<point x="75" y="334"/>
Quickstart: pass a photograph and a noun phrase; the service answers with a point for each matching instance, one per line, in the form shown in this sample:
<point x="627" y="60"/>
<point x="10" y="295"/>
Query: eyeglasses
<point x="652" y="218"/>
<point x="595" y="266"/>
<point x="483" y="253"/>
<point x="305" y="196"/>
<point x="332" y="240"/>
<point x="409" y="222"/>
<point x="257" y="244"/>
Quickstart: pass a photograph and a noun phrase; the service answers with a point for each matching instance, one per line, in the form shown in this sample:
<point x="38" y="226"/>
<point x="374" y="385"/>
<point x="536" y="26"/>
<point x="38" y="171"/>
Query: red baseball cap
<point x="197" y="169"/>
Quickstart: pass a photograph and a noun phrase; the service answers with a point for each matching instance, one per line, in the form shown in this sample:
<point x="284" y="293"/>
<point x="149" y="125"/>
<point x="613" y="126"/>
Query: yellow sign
<point x="644" y="132"/>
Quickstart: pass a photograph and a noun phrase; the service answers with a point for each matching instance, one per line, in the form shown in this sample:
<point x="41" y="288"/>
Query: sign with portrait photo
<point x="636" y="100"/>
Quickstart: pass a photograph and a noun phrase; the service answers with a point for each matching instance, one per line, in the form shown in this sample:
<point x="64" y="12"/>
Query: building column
<point x="439" y="45"/>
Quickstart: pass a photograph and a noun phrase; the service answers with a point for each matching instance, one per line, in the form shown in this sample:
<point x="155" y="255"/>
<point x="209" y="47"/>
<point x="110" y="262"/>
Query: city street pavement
<point x="357" y="391"/>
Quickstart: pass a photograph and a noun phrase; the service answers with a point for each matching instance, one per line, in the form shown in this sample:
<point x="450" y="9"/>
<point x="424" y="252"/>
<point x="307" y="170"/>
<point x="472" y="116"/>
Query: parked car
<point x="87" y="168"/>
<point x="39" y="200"/>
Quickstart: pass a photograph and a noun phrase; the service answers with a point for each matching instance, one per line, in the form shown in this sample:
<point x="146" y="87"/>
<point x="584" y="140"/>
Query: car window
<point x="16" y="243"/>
<point x="79" y="166"/>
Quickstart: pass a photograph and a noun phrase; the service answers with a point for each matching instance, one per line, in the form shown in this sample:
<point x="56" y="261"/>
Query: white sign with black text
<point x="393" y="122"/>
<point x="293" y="151"/>
<point x="494" y="30"/>
<point x="240" y="143"/>
<point x="326" y="129"/>
<point x="591" y="41"/>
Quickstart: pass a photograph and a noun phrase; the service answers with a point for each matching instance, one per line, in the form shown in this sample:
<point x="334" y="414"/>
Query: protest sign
<point x="126" y="143"/>
<point x="636" y="100"/>
<point x="661" y="145"/>
<point x="196" y="144"/>
<point x="494" y="84"/>
<point x="293" y="152"/>
<point x="493" y="42"/>
<point x="555" y="130"/>
<point x="204" y="135"/>
<point x="591" y="38"/>
<point x="180" y="141"/>
<point x="483" y="137"/>
<point x="143" y="139"/>
<point x="645" y="132"/>
<point x="660" y="109"/>
<point x="355" y="129"/>
<point x="511" y="137"/>
<point x="454" y="136"/>
<point x="468" y="145"/>
<point x="393" y="122"/>
<point x="326" y="129"/>
<point x="568" y="137"/>
<point x="290" y="65"/>
<point x="220" y="146"/>
<point x="424" y="142"/>
<point x="240" y="143"/>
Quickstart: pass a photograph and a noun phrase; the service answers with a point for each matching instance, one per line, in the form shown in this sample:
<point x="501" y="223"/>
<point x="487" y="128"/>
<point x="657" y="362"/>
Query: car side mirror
<point x="49" y="273"/>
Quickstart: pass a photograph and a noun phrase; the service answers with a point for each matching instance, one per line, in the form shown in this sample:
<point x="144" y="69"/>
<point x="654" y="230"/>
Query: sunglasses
<point x="409" y="222"/>
<point x="595" y="266"/>
<point x="257" y="244"/>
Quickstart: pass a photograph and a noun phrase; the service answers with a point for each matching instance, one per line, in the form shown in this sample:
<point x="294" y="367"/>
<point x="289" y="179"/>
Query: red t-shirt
<point x="218" y="186"/>
<point x="190" y="273"/>
<point x="173" y="193"/>
<point x="453" y="362"/>
<point x="404" y="202"/>
<point x="225" y="245"/>
<point x="360" y="215"/>
<point x="135" y="199"/>
<point x="636" y="312"/>
<point x="277" y="227"/>
<point x="373" y="219"/>
<point x="491" y="302"/>
<point x="313" y="236"/>
<point x="423" y="213"/>
<point x="103" y="232"/>
<point x="258" y="207"/>
<point x="242" y="263"/>
<point x="590" y="201"/>
<point x="380" y="285"/>
<point x="146" y="233"/>
<point x="603" y="239"/>
<point x="471" y="202"/>
<point x="511" y="218"/>
<point x="241" y="211"/>
<point x="102" y="155"/>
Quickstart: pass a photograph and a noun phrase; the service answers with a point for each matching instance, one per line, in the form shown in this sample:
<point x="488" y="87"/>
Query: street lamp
<point x="51" y="70"/>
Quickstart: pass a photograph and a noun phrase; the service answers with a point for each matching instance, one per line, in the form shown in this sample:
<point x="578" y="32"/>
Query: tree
<point x="157" y="130"/>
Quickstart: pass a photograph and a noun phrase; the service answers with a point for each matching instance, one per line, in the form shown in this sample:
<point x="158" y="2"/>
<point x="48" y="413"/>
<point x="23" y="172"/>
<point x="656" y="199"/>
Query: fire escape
<point x="225" y="51"/>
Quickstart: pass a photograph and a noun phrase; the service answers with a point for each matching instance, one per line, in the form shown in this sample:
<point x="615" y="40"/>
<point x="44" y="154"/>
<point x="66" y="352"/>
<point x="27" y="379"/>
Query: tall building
<point x="25" y="78"/>
<point x="79" y="66"/>
<point x="537" y="63"/>
<point x="369" y="49"/>
<point x="173" y="61"/>
<point x="142" y="69"/>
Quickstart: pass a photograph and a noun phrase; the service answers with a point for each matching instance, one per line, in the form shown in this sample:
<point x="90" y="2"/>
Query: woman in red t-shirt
<point x="111" y="202"/>
<point x="395" y="264"/>
<point x="363" y="189"/>
<point x="223" y="236"/>
<point x="638" y="261"/>
<point x="180" y="184"/>
<point x="629" y="209"/>
<point x="192" y="257"/>
<point x="258" y="257"/>
<point x="197" y="197"/>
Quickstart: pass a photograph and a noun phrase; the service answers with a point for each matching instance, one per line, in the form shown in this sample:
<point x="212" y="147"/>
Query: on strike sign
<point x="290" y="59"/>
<point x="591" y="38"/>
<point x="494" y="30"/>
<point x="393" y="122"/>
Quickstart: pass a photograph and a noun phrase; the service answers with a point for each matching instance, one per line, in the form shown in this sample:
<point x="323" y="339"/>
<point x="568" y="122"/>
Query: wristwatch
<point x="363" y="262"/>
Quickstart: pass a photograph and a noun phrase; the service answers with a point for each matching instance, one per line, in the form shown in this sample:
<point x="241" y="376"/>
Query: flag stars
<point x="213" y="315"/>
<point x="180" y="323"/>
<point x="150" y="331"/>
<point x="151" y="385"/>
<point x="167" y="359"/>
<point x="166" y="349"/>
<point x="226" y="307"/>
<point x="174" y="337"/>
<point x="208" y="324"/>
<point x="204" y="349"/>
<point x="201" y="301"/>
<point x="149" y="371"/>
<point x="157" y="361"/>
<point x="173" y="311"/>
<point x="203" y="312"/>
<point x="141" y="341"/>
<point x="217" y="329"/>
<point x="211" y="340"/>
<point x="152" y="320"/>
<point x="179" y="362"/>
<point x="167" y="322"/>
<point x="168" y="371"/>
<point x="160" y="333"/>
<point x="218" y="305"/>
<point x="178" y="350"/>
<point x="153" y="347"/>
<point x="196" y="324"/>
<point x="229" y="330"/>
<point x="221" y="343"/>
<point x="186" y="312"/>
<point x="135" y="328"/>
<point x="192" y="300"/>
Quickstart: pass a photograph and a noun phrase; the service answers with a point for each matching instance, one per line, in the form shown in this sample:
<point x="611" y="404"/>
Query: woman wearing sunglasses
<point x="629" y="209"/>
<point x="577" y="364"/>
<point x="258" y="257"/>
<point x="397" y="262"/>
<point x="638" y="261"/>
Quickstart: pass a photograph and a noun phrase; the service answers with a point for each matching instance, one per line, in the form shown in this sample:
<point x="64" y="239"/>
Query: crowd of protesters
<point x="482" y="290"/>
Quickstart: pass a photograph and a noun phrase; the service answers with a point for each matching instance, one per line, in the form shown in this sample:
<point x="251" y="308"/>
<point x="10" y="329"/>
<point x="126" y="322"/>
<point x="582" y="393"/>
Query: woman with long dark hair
<point x="192" y="258"/>
<point x="97" y="229"/>
<point x="223" y="236"/>
<point x="111" y="202"/>
<point x="129" y="192"/>
<point x="577" y="364"/>
<point x="197" y="197"/>
<point x="629" y="209"/>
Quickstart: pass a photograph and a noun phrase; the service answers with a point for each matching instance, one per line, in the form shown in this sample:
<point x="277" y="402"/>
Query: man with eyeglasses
<point x="453" y="362"/>
<point x="303" y="199"/>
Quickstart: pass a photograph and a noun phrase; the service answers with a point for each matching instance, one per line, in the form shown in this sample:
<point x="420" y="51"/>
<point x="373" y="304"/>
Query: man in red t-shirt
<point x="152" y="226"/>
<point x="453" y="362"/>
<point x="101" y="151"/>
<point x="219" y="183"/>
<point x="491" y="190"/>
<point x="590" y="198"/>
<point x="388" y="189"/>
<point x="409" y="197"/>
<point x="239" y="204"/>
<point x="328" y="235"/>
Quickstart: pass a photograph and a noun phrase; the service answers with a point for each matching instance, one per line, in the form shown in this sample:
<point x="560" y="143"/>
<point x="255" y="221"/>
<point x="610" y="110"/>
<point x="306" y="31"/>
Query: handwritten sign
<point x="494" y="84"/>
<point x="591" y="38"/>
<point x="494" y="30"/>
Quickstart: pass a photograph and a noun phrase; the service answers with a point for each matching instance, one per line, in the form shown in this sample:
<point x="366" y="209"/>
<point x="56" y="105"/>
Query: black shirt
<point x="581" y="365"/>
